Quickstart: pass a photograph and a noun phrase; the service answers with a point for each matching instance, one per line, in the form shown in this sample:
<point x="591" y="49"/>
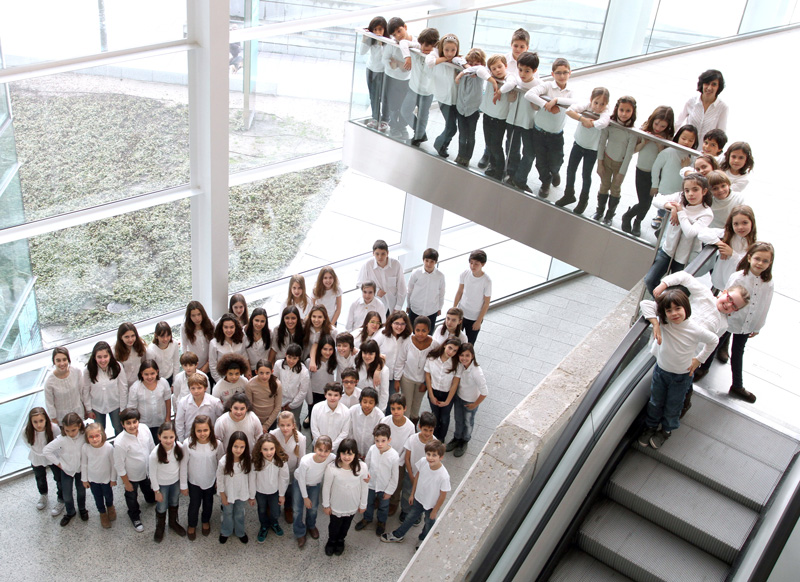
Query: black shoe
<point x="492" y="173"/>
<point x="443" y="152"/>
<point x="330" y="547"/>
<point x="307" y="422"/>
<point x="699" y="374"/>
<point x="523" y="187"/>
<point x="484" y="161"/>
<point x="582" y="204"/>
<point x="737" y="392"/>
<point x="626" y="220"/>
<point x="84" y="515"/>
<point x="244" y="539"/>
<point x="223" y="539"/>
<point x="544" y="190"/>
<point x="636" y="229"/>
<point x="556" y="180"/>
<point x="416" y="142"/>
<point x="66" y="519"/>
<point x="565" y="199"/>
<point x="339" y="549"/>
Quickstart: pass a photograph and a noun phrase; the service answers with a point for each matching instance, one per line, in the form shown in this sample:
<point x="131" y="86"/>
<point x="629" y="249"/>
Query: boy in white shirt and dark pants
<point x="474" y="294"/>
<point x="383" y="463"/>
<point x="426" y="288"/>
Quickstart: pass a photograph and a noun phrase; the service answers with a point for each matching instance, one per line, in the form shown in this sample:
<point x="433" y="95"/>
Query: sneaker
<point x="262" y="535"/>
<point x="644" y="438"/>
<point x="461" y="449"/>
<point x="418" y="522"/>
<point x="277" y="529"/>
<point x="372" y="124"/>
<point x="362" y="524"/>
<point x="244" y="539"/>
<point x="66" y="519"/>
<point x="84" y="515"/>
<point x="659" y="438"/>
<point x="58" y="509"/>
<point x="484" y="161"/>
<point x="383" y="126"/>
<point x="138" y="526"/>
<point x="42" y="503"/>
<point x="381" y="527"/>
<point x="389" y="537"/>
<point x="452" y="445"/>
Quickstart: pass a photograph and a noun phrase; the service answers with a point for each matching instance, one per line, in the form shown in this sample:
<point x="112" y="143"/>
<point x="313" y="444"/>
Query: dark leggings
<point x="198" y="497"/>
<point x="644" y="181"/>
<point x="589" y="157"/>
<point x="737" y="357"/>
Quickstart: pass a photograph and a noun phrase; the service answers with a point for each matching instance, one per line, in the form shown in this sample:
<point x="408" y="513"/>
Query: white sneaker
<point x="58" y="509"/>
<point x="42" y="503"/>
<point x="372" y="123"/>
<point x="138" y="526"/>
<point x="383" y="126"/>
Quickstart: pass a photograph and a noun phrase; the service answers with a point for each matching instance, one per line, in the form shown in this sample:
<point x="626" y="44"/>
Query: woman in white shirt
<point x="228" y="339"/>
<point x="706" y="111"/>
<point x="197" y="332"/>
<point x="104" y="389"/>
<point x="62" y="389"/>
<point x="151" y="396"/>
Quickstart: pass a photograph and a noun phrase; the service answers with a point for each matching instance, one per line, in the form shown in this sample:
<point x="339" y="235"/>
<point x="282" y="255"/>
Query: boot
<point x="112" y="512"/>
<point x="582" y="203"/>
<point x="601" y="206"/>
<point x="636" y="230"/>
<point x="173" y="522"/>
<point x="612" y="209"/>
<point x="104" y="521"/>
<point x="722" y="350"/>
<point x="161" y="521"/>
<point x="626" y="220"/>
<point x="567" y="198"/>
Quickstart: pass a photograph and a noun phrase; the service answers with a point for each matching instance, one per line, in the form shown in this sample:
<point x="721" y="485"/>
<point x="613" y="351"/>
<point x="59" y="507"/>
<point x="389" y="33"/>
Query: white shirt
<point x="389" y="279"/>
<point x="702" y="302"/>
<point x="343" y="363"/>
<point x="164" y="473"/>
<point x="693" y="113"/>
<point x="199" y="347"/>
<point x="426" y="292"/>
<point x="441" y="335"/>
<point x="384" y="469"/>
<point x="224" y="389"/>
<point x="328" y="300"/>
<point x="188" y="410"/>
<point x="589" y="137"/>
<point x="106" y="394"/>
<point x="367" y="381"/>
<point x="400" y="435"/>
<point x="416" y="448"/>
<point x="304" y="311"/>
<point x="411" y="361"/>
<point x="249" y="425"/>
<point x="392" y="52"/>
<point x="679" y="342"/>
<point x="358" y="313"/>
<point x="374" y="51"/>
<point x="36" y="454"/>
<point x="180" y="388"/>
<point x="334" y="423"/>
<point x="309" y="472"/>
<point x="132" y="453"/>
<point x="543" y="93"/>
<point x="272" y="479"/>
<point x="475" y="290"/>
<point x="344" y="492"/>
<point x="65" y="451"/>
<point x="150" y="403"/>
<point x="472" y="383"/>
<point x="522" y="112"/>
<point x="318" y="380"/>
<point x="295" y="384"/>
<point x="361" y="426"/>
<point x="131" y="367"/>
<point x="442" y="373"/>
<point x="681" y="242"/>
<point x="289" y="447"/>
<point x="97" y="463"/>
<point x="238" y="487"/>
<point x="168" y="359"/>
<point x="63" y="395"/>
<point x="200" y="464"/>
<point x="352" y="400"/>
<point x="390" y="346"/>
<point x="445" y="89"/>
<point x="430" y="484"/>
<point x="421" y="81"/>
<point x="216" y="351"/>
<point x="752" y="317"/>
<point x="256" y="352"/>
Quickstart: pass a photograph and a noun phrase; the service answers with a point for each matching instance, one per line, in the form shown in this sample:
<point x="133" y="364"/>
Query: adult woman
<point x="62" y="389"/>
<point x="706" y="111"/>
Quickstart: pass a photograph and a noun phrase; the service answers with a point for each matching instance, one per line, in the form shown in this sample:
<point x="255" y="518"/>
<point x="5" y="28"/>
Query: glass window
<point x="682" y="22"/>
<point x="101" y="134"/>
<point x="270" y="11"/>
<point x="14" y="418"/>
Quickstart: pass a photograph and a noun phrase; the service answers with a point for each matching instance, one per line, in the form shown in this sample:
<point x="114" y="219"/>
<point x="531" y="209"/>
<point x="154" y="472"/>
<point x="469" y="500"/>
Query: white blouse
<point x="751" y="318"/>
<point x="168" y="359"/>
<point x="63" y="395"/>
<point x="344" y="492"/>
<point x="329" y="301"/>
<point x="97" y="463"/>
<point x="106" y="394"/>
<point x="367" y="381"/>
<point x="131" y="367"/>
<point x="36" y="454"/>
<point x="237" y="487"/>
<point x="442" y="374"/>
<point x="216" y="351"/>
<point x="390" y="346"/>
<point x="199" y="347"/>
<point x="272" y="479"/>
<point x="295" y="384"/>
<point x="199" y="464"/>
<point x="150" y="403"/>
<point x="289" y="446"/>
<point x="410" y="361"/>
<point x="255" y="352"/>
<point x="472" y="383"/>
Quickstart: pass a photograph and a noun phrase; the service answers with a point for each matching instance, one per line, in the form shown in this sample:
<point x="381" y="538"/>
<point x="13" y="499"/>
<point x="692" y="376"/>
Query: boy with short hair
<point x="364" y="304"/>
<point x="307" y="487"/>
<point x="333" y="419"/>
<point x="414" y="451"/>
<point x="553" y="98"/>
<point x="495" y="111"/>
<point x="397" y="73"/>
<point x="428" y="493"/>
<point x="180" y="387"/>
<point x="364" y="418"/>
<point x="345" y="358"/>
<point x="420" y="94"/>
<point x="714" y="143"/>
<point x="350" y="390"/>
<point x="197" y="402"/>
<point x="383" y="462"/>
<point x="131" y="459"/>
<point x="426" y="288"/>
<point x="474" y="294"/>
<point x="388" y="276"/>
<point x="520" y="146"/>
<point x="232" y="368"/>
<point x="401" y="428"/>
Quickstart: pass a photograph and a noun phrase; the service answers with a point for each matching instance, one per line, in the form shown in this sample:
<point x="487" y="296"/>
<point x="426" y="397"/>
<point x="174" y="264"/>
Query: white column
<point x="627" y="25"/>
<point x="422" y="228"/>
<point x="208" y="146"/>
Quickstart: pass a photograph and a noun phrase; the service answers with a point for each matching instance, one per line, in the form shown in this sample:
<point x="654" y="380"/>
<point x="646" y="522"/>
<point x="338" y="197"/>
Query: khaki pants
<point x="410" y="390"/>
<point x="611" y="178"/>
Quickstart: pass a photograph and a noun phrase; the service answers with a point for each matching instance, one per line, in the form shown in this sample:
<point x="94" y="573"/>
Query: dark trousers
<point x="40" y="473"/>
<point x="644" y="181"/>
<point x="338" y="528"/>
<point x="549" y="148"/>
<point x="132" y="498"/>
<point x="442" y="414"/>
<point x="576" y="156"/>
<point x="450" y="127"/>
<point x="103" y="496"/>
<point x="413" y="316"/>
<point x="67" y="483"/>
<point x="737" y="357"/>
<point x="200" y="497"/>
<point x="375" y="87"/>
<point x="525" y="164"/>
<point x="472" y="334"/>
<point x="493" y="131"/>
<point x="395" y="90"/>
<point x="467" y="126"/>
<point x="268" y="508"/>
<point x="661" y="266"/>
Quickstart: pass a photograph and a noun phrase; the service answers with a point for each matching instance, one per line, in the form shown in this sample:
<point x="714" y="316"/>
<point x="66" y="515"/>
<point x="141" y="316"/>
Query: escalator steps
<point x="578" y="566"/>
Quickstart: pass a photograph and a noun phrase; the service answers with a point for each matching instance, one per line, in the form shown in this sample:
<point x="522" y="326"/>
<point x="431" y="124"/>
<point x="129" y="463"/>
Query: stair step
<point x="578" y="566"/>
<point x="643" y="551"/>
<point x="698" y="514"/>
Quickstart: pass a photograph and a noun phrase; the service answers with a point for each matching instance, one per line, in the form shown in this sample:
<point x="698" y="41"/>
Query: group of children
<point x="531" y="115"/>
<point x="222" y="411"/>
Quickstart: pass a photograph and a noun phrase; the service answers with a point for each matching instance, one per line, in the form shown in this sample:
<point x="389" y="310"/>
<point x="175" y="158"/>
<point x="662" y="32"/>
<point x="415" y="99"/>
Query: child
<point x="445" y="88"/>
<point x="732" y="241"/>
<point x="344" y="493"/>
<point x="265" y="394"/>
<point x="724" y="199"/>
<point x="293" y="444"/>
<point x="258" y="337"/>
<point x="384" y="464"/>
<point x="387" y="275"/>
<point x="369" y="330"/>
<point x="202" y="452"/>
<point x="232" y="369"/>
<point x="442" y="376"/>
<point x="615" y="152"/>
<point x="307" y="485"/>
<point x="364" y="418"/>
<point x="754" y="274"/>
<point x="331" y="418"/>
<point x="104" y="387"/>
<point x="129" y="351"/>
<point x="324" y="373"/>
<point x="426" y="289"/>
<point x="471" y="392"/>
<point x="365" y="304"/>
<point x="666" y="177"/>
<point x="390" y="341"/>
<point x="474" y="294"/>
<point x="238" y="308"/>
<point x="197" y="402"/>
<point x="549" y="123"/>
<point x="428" y="493"/>
<point x="453" y="326"/>
<point x="420" y="94"/>
<point x="410" y="364"/>
<point x="737" y="164"/>
<point x="661" y="123"/>
<point x="372" y="373"/>
<point x="165" y="352"/>
<point x="468" y="102"/>
<point x="298" y="297"/>
<point x="397" y="72"/>
<point x="151" y="396"/>
<point x="294" y="378"/>
<point x="98" y="473"/>
<point x="676" y="339"/>
<point x="714" y="142"/>
<point x="271" y="468"/>
<point x="584" y="148"/>
<point x="289" y="331"/>
<point x="39" y="432"/>
<point x="165" y="475"/>
<point x="375" y="71"/>
<point x="690" y="215"/>
<point x="402" y="428"/>
<point x="520" y="122"/>
<point x="64" y="451"/>
<point x="236" y="486"/>
<point x="414" y="452"/>
<point x="131" y="456"/>
<point x="351" y="393"/>
<point x="197" y="332"/>
<point x="238" y="418"/>
<point x="328" y="293"/>
<point x="345" y="358"/>
<point x="228" y="339"/>
<point x="495" y="112"/>
<point x="62" y="389"/>
<point x="317" y="325"/>
<point x="706" y="111"/>
<point x="180" y="385"/>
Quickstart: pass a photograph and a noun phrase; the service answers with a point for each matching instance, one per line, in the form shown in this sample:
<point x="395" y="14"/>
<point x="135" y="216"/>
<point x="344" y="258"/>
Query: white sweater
<point x="63" y="395"/>
<point x="168" y="359"/>
<point x="164" y="473"/>
<point x="106" y="394"/>
<point x="97" y="463"/>
<point x="226" y="426"/>
<point x="681" y="242"/>
<point x="344" y="492"/>
<point x="36" y="454"/>
<point x="65" y="451"/>
<point x="237" y="487"/>
<point x="679" y="343"/>
<point x="200" y="464"/>
<point x="272" y="479"/>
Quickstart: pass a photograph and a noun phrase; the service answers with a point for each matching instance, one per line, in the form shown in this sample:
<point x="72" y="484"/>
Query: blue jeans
<point x="442" y="414"/>
<point x="103" y="495"/>
<point x="268" y="508"/>
<point x="300" y="526"/>
<point x="40" y="472"/>
<point x="233" y="518"/>
<point x="113" y="415"/>
<point x="659" y="268"/>
<point x="667" y="392"/>
<point x="383" y="506"/>
<point x="171" y="495"/>
<point x="405" y="493"/>
<point x="493" y="131"/>
<point x="411" y="518"/>
<point x="465" y="419"/>
<point x="418" y="122"/>
<point x="588" y="157"/>
<point x="67" y="483"/>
